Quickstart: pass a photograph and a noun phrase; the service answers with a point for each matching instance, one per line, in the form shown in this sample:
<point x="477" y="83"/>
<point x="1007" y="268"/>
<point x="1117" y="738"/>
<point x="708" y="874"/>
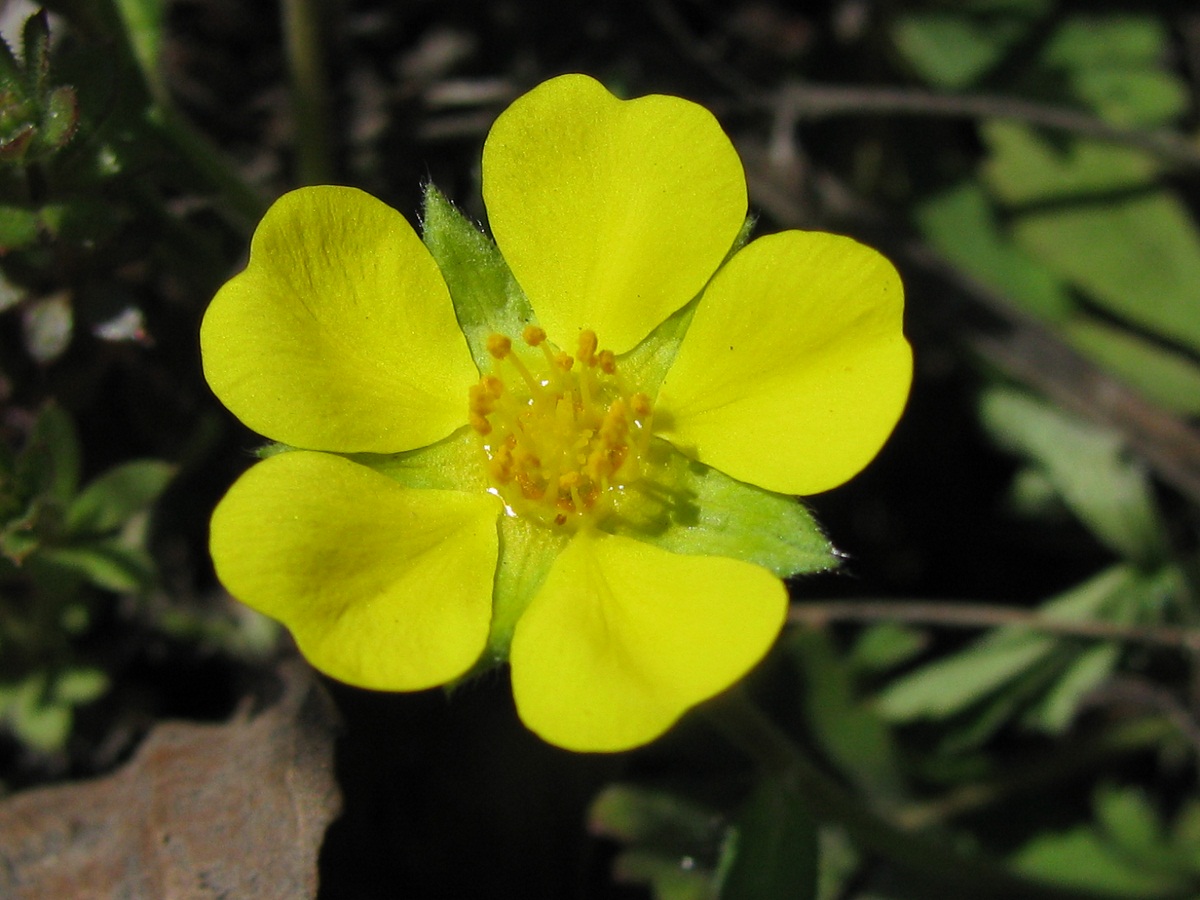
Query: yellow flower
<point x="570" y="453"/>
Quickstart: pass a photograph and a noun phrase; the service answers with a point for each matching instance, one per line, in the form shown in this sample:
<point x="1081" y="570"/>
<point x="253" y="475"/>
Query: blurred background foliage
<point x="998" y="694"/>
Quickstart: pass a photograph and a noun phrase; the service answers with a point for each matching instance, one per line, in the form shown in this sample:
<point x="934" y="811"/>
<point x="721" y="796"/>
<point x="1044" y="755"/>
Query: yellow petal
<point x="339" y="335"/>
<point x="382" y="586"/>
<point x="623" y="638"/>
<point x="612" y="214"/>
<point x="795" y="368"/>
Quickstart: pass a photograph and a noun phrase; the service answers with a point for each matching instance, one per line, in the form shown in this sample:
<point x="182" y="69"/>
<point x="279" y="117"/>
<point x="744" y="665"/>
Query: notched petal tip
<point x="795" y="368"/>
<point x="623" y="638"/>
<point x="612" y="214"/>
<point x="382" y="586"/>
<point x="339" y="335"/>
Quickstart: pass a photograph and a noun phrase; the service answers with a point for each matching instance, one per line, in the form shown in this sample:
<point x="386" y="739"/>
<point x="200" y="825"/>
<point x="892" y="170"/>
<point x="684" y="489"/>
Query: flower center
<point x="560" y="433"/>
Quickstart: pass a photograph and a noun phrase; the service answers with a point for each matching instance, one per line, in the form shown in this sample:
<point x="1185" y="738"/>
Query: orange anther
<point x="499" y="345"/>
<point x="640" y="404"/>
<point x="608" y="361"/>
<point x="587" y="347"/>
<point x="479" y="423"/>
<point x="533" y="335"/>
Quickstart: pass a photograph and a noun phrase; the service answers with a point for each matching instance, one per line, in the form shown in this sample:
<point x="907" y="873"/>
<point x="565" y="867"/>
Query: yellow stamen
<point x="562" y="437"/>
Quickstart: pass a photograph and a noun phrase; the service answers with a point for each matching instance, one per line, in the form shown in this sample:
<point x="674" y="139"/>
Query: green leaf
<point x="771" y="852"/>
<point x="108" y="564"/>
<point x="668" y="878"/>
<point x="1057" y="710"/>
<point x="944" y="688"/>
<point x="686" y="507"/>
<point x="657" y="819"/>
<point x="1094" y="214"/>
<point x="36" y="717"/>
<point x="59" y="119"/>
<point x="884" y="646"/>
<point x="962" y="224"/>
<point x="110" y="500"/>
<point x="48" y="464"/>
<point x="78" y="686"/>
<point x="850" y="733"/>
<point x="951" y="684"/>
<point x="1115" y="64"/>
<point x="19" y="227"/>
<point x="143" y="21"/>
<point x="487" y="299"/>
<point x="1129" y="820"/>
<point x="1081" y="858"/>
<point x="1166" y="377"/>
<point x="952" y="49"/>
<point x="1024" y="167"/>
<point x="1089" y="466"/>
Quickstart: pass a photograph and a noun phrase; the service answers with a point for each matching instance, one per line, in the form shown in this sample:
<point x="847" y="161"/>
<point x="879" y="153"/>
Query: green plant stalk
<point x="749" y="729"/>
<point x="310" y="94"/>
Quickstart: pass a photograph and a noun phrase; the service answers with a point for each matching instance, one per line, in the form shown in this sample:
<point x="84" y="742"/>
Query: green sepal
<point x="486" y="296"/>
<point x="689" y="508"/>
<point x="527" y="550"/>
<point x="455" y="463"/>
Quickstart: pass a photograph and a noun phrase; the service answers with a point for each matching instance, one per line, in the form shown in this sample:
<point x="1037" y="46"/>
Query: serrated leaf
<point x="109" y="501"/>
<point x="771" y="852"/>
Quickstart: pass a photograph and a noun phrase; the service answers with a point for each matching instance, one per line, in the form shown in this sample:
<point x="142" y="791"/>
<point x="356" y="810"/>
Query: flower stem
<point x="748" y="728"/>
<point x="310" y="94"/>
